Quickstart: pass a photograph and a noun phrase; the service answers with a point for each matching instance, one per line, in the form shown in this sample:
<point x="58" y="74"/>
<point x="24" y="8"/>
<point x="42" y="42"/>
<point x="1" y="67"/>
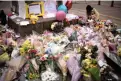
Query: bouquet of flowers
<point x="25" y="47"/>
<point x="90" y="69"/>
<point x="32" y="67"/>
<point x="89" y="63"/>
<point x="49" y="68"/>
<point x="49" y="75"/>
<point x="32" y="70"/>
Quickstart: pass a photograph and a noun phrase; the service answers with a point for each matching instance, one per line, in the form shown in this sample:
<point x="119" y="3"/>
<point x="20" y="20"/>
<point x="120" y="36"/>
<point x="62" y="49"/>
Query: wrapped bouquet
<point x="90" y="69"/>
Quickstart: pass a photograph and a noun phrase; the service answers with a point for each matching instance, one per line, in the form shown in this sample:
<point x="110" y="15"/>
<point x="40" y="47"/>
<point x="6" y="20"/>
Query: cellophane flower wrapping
<point x="91" y="68"/>
<point x="8" y="75"/>
<point x="17" y="62"/>
<point x="63" y="66"/>
<point x="32" y="70"/>
<point x="73" y="67"/>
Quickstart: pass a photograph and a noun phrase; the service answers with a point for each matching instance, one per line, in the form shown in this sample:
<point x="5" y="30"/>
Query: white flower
<point x="49" y="76"/>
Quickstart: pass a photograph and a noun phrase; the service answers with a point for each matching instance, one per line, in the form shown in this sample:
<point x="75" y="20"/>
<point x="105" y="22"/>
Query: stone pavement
<point x="106" y="12"/>
<point x="6" y="6"/>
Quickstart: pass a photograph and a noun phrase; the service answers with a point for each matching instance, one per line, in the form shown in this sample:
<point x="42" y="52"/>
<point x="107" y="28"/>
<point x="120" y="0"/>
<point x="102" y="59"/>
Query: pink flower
<point x="43" y="58"/>
<point x="27" y="57"/>
<point x="59" y="55"/>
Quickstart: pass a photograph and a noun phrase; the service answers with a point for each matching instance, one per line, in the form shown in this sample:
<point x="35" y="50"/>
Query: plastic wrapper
<point x="74" y="68"/>
<point x="112" y="47"/>
<point x="69" y="31"/>
<point x="8" y="75"/>
<point x="31" y="69"/>
<point x="17" y="63"/>
<point x="73" y="36"/>
<point x="108" y="22"/>
<point x="33" y="61"/>
<point x="101" y="53"/>
<point x="55" y="49"/>
<point x="15" y="52"/>
<point x="63" y="67"/>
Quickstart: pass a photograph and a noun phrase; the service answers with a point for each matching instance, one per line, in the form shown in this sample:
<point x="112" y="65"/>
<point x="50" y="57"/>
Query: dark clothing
<point x="3" y="17"/>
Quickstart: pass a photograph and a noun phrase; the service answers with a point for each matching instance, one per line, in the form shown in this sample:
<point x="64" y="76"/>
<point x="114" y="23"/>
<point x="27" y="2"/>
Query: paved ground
<point x="5" y="6"/>
<point x="106" y="12"/>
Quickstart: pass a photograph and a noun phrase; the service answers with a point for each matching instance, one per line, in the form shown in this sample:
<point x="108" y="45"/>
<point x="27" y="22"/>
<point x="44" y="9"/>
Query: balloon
<point x="62" y="8"/>
<point x="60" y="15"/>
<point x="69" y="4"/>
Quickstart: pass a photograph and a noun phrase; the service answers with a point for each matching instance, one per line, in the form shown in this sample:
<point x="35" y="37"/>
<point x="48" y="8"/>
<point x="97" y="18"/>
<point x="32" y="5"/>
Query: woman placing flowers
<point x="92" y="13"/>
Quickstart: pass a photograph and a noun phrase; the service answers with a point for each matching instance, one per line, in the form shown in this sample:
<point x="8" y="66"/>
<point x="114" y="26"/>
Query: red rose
<point x="33" y="51"/>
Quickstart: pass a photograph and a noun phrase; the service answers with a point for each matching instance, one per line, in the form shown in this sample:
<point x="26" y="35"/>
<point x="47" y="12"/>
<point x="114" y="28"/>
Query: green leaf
<point x="95" y="73"/>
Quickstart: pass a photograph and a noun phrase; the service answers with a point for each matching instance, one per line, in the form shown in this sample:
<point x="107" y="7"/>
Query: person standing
<point x="3" y="18"/>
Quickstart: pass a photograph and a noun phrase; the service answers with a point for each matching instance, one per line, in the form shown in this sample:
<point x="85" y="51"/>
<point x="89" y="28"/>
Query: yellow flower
<point x="27" y="43"/>
<point x="92" y="65"/>
<point x="119" y="51"/>
<point x="66" y="57"/>
<point x="86" y="75"/>
<point x="78" y="49"/>
<point x="82" y="71"/>
<point x="86" y="67"/>
<point x="87" y="61"/>
<point x="30" y="75"/>
<point x="97" y="27"/>
<point x="22" y="51"/>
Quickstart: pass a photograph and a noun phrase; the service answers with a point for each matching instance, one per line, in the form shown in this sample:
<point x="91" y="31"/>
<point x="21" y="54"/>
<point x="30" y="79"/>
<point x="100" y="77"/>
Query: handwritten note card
<point x="35" y="9"/>
<point x="50" y="8"/>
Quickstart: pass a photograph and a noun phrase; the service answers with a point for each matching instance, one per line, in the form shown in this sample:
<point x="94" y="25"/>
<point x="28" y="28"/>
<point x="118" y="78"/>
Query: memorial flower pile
<point x="50" y="56"/>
